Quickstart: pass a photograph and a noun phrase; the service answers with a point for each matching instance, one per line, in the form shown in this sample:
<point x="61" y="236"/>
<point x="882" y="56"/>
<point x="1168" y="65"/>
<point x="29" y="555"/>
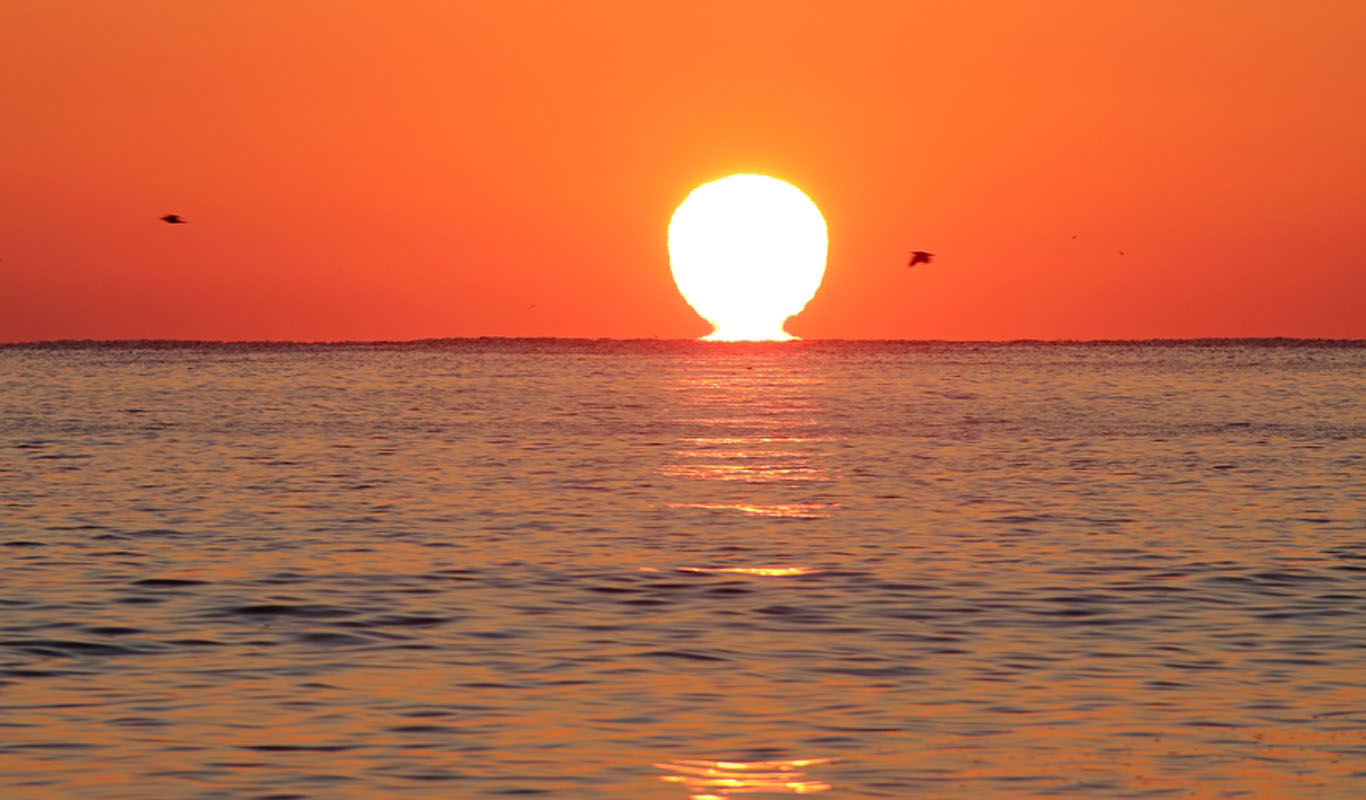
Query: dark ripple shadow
<point x="300" y="610"/>
<point x="70" y="648"/>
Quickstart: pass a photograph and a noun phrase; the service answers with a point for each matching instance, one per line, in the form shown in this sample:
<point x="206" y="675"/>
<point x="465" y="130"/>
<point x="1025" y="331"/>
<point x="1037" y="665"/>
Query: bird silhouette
<point x="174" y="219"/>
<point x="919" y="257"/>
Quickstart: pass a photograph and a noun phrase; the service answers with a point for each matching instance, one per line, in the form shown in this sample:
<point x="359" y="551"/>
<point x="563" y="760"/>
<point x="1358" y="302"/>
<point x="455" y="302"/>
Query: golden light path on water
<point x="776" y="510"/>
<point x="767" y="572"/>
<point x="755" y="445"/>
<point x="757" y="426"/>
<point x="748" y="459"/>
<point x="763" y="572"/>
<point x="716" y="780"/>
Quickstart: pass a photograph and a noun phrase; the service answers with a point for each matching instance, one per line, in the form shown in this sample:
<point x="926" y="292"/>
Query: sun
<point x="747" y="252"/>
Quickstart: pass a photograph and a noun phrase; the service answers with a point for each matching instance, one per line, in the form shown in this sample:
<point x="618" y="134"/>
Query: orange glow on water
<point x="747" y="473"/>
<point x="780" y="510"/>
<point x="716" y="780"/>
<point x="985" y="640"/>
<point x="767" y="572"/>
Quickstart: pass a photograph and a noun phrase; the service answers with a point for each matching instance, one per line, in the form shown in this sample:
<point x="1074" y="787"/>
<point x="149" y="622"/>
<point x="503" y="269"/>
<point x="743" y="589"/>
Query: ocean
<point x="664" y="570"/>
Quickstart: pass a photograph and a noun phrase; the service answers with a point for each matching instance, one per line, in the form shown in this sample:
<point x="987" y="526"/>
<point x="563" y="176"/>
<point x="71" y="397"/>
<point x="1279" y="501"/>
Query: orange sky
<point x="432" y="168"/>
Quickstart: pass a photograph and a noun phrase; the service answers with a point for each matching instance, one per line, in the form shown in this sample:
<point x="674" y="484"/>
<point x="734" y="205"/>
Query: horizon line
<point x="72" y="342"/>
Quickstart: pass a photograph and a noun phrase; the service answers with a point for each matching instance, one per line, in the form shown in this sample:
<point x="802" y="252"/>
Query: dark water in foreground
<point x="662" y="571"/>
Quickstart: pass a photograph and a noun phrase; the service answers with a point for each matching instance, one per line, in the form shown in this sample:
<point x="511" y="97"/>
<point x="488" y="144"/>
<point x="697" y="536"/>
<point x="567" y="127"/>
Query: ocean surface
<point x="672" y="570"/>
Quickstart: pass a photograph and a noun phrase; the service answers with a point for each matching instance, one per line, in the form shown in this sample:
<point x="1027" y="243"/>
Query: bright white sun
<point x="747" y="252"/>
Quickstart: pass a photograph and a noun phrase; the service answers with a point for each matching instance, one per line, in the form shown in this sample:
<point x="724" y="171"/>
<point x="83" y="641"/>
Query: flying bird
<point x="920" y="257"/>
<point x="174" y="219"/>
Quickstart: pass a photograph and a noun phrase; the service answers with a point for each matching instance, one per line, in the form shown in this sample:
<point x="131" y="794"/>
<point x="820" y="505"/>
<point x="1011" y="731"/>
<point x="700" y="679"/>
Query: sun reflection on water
<point x="779" y="510"/>
<point x="715" y="780"/>
<point x="767" y="572"/>
<point x="796" y="471"/>
<point x="750" y="462"/>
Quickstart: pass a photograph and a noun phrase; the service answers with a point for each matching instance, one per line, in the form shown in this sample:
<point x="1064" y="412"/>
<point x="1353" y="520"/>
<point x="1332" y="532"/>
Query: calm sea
<point x="671" y="570"/>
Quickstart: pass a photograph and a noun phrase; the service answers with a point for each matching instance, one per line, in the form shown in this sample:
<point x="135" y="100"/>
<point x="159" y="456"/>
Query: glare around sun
<point x="747" y="252"/>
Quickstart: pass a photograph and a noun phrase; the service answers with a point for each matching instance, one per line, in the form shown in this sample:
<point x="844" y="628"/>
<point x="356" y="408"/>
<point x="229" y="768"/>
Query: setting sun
<point x="747" y="252"/>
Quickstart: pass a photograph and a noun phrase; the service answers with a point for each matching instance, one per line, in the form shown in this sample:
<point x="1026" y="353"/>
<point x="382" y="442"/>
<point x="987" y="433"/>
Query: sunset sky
<point x="432" y="168"/>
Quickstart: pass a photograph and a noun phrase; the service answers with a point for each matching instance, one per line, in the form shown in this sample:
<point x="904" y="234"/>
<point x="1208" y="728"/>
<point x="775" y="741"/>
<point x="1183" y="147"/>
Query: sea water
<point x="671" y="570"/>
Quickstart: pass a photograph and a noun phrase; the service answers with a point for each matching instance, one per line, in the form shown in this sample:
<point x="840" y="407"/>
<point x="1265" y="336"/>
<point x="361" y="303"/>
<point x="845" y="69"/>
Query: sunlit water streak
<point x="774" y="571"/>
<point x="717" y="780"/>
<point x="787" y="510"/>
<point x="662" y="570"/>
